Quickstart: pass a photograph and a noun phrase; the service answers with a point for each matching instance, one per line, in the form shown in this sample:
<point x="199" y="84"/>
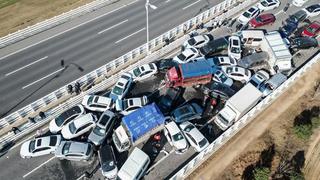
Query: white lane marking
<point x="37" y="167"/>
<point x="276" y="14"/>
<point x="113" y="26"/>
<point x="42" y="78"/>
<point x="168" y="1"/>
<point x="66" y="30"/>
<point x="191" y="5"/>
<point x="130" y="35"/>
<point x="26" y="66"/>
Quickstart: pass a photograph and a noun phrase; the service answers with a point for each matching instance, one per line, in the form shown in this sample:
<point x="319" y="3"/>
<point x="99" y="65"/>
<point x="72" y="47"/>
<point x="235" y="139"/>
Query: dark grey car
<point x="108" y="161"/>
<point x="215" y="89"/>
<point x="255" y="60"/>
<point x="103" y="128"/>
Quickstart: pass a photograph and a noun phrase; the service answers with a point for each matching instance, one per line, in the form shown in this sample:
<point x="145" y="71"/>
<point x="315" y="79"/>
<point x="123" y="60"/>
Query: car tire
<point x="28" y="157"/>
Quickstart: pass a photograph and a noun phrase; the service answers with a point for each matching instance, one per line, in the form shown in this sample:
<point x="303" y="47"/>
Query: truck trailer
<point x="189" y="74"/>
<point x="238" y="105"/>
<point x="138" y="126"/>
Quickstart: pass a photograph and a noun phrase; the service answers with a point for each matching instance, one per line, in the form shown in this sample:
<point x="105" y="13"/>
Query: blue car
<point x="187" y="112"/>
<point x="288" y="29"/>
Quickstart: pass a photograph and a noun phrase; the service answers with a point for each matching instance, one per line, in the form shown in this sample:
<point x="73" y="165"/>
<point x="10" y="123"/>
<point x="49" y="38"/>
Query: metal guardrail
<point x="246" y="119"/>
<point x="19" y="118"/>
<point x="52" y="22"/>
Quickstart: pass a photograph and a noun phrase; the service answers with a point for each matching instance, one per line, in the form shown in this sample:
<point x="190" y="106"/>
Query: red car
<point x="312" y="30"/>
<point x="262" y="20"/>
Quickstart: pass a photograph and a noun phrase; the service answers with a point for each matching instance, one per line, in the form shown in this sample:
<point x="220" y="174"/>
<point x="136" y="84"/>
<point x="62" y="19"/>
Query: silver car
<point x="103" y="128"/>
<point x="75" y="151"/>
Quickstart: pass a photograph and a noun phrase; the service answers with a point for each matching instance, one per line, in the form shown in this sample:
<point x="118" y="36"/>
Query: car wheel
<point x="28" y="157"/>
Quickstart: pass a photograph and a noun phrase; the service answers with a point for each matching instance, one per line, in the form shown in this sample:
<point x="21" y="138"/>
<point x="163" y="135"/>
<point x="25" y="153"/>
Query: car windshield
<point x="223" y="77"/>
<point x="72" y="128"/>
<point x="192" y="41"/>
<point x="177" y="137"/>
<point x="203" y="142"/>
<point x="235" y="50"/>
<point x="108" y="165"/>
<point x="188" y="128"/>
<point x="90" y="100"/>
<point x="254" y="83"/>
<point x="264" y="3"/>
<point x="181" y="56"/>
<point x="246" y="14"/>
<point x="311" y="30"/>
<point x="66" y="148"/>
<point x="125" y="104"/>
<point x="313" y="7"/>
<point x="53" y="140"/>
<point x="99" y="131"/>
<point x="32" y="145"/>
<point x="259" y="19"/>
<point x="223" y="120"/>
<point x="117" y="90"/>
<point x="137" y="72"/>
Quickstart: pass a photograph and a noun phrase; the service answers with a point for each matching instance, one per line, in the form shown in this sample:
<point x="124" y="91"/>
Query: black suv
<point x="167" y="101"/>
<point x="215" y="46"/>
<point x="303" y="43"/>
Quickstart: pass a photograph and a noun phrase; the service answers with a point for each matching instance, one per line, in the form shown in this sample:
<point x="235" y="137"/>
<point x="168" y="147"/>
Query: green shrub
<point x="296" y="176"/>
<point x="315" y="122"/>
<point x="303" y="131"/>
<point x="261" y="173"/>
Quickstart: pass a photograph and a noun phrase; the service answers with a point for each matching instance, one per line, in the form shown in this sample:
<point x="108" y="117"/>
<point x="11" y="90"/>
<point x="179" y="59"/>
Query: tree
<point x="261" y="173"/>
<point x="303" y="131"/>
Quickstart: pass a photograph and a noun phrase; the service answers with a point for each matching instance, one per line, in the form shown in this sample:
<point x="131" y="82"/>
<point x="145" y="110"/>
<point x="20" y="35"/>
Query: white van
<point x="135" y="166"/>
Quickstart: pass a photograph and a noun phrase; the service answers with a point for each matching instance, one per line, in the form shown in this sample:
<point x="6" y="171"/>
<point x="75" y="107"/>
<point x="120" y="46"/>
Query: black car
<point x="168" y="100"/>
<point x="108" y="161"/>
<point x="165" y="64"/>
<point x="297" y="17"/>
<point x="215" y="89"/>
<point x="303" y="43"/>
<point x="215" y="46"/>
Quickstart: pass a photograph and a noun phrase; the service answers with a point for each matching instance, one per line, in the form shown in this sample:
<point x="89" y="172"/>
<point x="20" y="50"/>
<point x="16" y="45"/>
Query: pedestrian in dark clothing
<point x="42" y="115"/>
<point x="15" y="130"/>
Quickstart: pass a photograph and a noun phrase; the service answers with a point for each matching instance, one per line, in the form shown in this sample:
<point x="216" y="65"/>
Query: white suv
<point x="187" y="55"/>
<point x="97" y="103"/>
<point x="128" y="106"/>
<point x="237" y="73"/>
<point x="79" y="126"/>
<point x="234" y="48"/>
<point x="122" y="86"/>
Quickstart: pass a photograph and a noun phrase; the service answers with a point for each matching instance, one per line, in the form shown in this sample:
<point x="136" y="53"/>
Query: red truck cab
<point x="189" y="74"/>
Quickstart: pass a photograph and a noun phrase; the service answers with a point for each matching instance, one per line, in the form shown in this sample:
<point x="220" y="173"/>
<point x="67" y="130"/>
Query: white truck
<point x="238" y="105"/>
<point x="138" y="126"/>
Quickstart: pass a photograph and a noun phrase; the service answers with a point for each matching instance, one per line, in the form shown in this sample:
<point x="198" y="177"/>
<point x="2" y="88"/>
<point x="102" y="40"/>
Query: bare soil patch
<point x="269" y="138"/>
<point x="24" y="13"/>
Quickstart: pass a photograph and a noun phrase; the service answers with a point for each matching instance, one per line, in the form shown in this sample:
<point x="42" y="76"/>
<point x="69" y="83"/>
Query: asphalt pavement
<point x="28" y="69"/>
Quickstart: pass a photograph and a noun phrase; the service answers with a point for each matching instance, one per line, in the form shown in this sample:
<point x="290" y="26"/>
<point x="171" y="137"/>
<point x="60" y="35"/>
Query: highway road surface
<point x="28" y="68"/>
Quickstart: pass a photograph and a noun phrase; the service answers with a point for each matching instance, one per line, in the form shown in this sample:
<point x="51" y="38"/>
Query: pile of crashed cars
<point x="80" y="131"/>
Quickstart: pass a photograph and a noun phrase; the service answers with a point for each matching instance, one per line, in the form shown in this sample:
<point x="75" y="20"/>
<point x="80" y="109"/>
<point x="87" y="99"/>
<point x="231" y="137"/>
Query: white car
<point x="266" y="5"/>
<point x="64" y="118"/>
<point x="144" y="72"/>
<point x="237" y="73"/>
<point x="187" y="55"/>
<point x="313" y="10"/>
<point x="194" y="136"/>
<point x="299" y="3"/>
<point x="121" y="88"/>
<point x="248" y="15"/>
<point x="222" y="61"/>
<point x="75" y="151"/>
<point x="234" y="48"/>
<point x="259" y="78"/>
<point x="97" y="103"/>
<point x="79" y="126"/>
<point x="175" y="137"/>
<point x="198" y="41"/>
<point x="40" y="146"/>
<point x="221" y="77"/>
<point x="128" y="106"/>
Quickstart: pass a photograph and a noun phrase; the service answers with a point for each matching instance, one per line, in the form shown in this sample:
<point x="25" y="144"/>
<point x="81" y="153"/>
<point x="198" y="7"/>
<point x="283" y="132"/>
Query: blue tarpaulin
<point x="143" y="120"/>
<point x="195" y="69"/>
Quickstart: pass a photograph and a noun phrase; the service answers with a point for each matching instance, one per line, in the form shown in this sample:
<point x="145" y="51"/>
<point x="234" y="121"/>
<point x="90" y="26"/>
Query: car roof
<point x="252" y="9"/>
<point x="102" y="100"/>
<point x="82" y="120"/>
<point x="265" y="16"/>
<point x="43" y="141"/>
<point x="172" y="127"/>
<point x="78" y="147"/>
<point x="105" y="117"/>
<point x="106" y="153"/>
<point x="195" y="133"/>
<point x="315" y="24"/>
